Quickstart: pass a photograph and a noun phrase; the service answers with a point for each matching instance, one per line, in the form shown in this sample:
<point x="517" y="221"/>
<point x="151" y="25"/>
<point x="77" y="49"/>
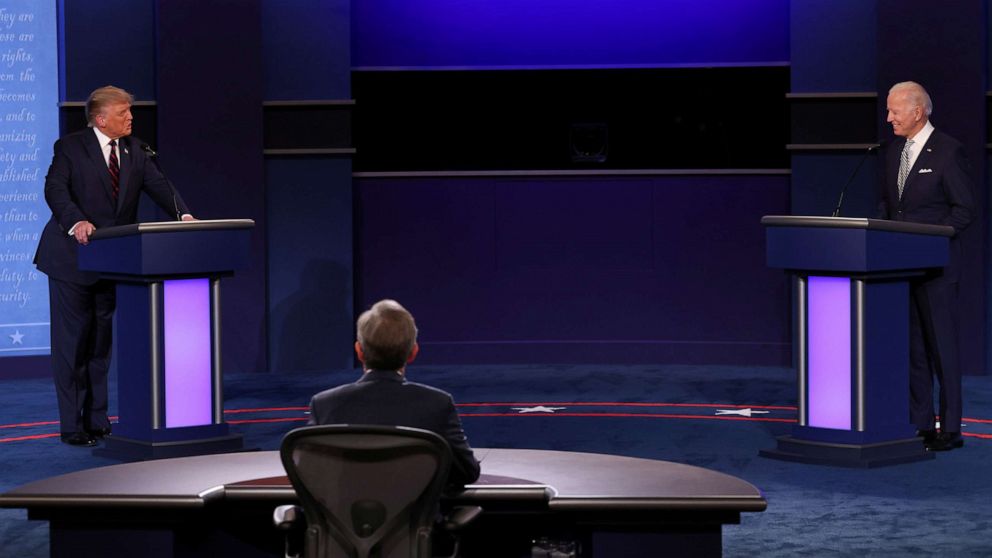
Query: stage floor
<point x="716" y="417"/>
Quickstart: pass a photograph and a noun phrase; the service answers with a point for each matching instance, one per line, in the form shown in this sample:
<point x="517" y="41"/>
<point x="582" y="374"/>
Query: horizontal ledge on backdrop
<point x="312" y="151"/>
<point x="571" y="67"/>
<point x="571" y="172"/>
<point x="313" y="103"/>
<point x="829" y="146"/>
<point x="83" y="103"/>
<point x="834" y="95"/>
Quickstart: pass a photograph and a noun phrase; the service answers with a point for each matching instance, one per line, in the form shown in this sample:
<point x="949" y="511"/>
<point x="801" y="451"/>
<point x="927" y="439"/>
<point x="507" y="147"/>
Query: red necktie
<point x="115" y="169"/>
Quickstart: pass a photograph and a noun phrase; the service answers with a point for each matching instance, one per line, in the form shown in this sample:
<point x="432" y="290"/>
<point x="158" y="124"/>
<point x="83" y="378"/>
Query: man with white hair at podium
<point x="927" y="181"/>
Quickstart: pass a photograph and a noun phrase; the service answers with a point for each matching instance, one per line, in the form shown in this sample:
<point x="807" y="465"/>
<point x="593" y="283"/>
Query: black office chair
<point x="365" y="490"/>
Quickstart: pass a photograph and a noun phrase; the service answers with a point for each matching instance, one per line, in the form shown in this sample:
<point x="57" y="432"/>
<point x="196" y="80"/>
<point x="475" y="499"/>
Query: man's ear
<point x="413" y="353"/>
<point x="359" y="353"/>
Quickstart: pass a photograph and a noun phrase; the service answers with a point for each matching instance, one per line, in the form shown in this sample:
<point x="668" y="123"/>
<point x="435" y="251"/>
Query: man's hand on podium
<point x="188" y="217"/>
<point x="82" y="231"/>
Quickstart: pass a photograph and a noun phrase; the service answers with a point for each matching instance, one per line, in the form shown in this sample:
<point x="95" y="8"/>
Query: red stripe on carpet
<point x="29" y="424"/>
<point x="247" y="421"/>
<point x="631" y="415"/>
<point x="265" y="409"/>
<point x="34" y="437"/>
<point x="626" y="404"/>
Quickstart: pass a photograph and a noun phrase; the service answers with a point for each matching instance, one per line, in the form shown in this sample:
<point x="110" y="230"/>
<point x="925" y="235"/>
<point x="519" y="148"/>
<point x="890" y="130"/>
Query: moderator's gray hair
<point x="387" y="333"/>
<point x="917" y="94"/>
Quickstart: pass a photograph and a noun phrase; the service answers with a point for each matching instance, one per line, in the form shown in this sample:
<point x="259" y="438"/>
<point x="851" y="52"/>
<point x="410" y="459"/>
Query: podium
<point x="167" y="333"/>
<point x="851" y="334"/>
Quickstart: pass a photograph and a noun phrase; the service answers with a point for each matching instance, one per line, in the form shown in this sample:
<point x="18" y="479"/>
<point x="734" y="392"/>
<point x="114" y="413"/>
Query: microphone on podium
<point x="153" y="155"/>
<point x="840" y="200"/>
<point x="148" y="149"/>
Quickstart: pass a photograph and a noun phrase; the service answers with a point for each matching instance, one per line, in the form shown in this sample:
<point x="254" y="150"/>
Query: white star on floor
<point x="537" y="409"/>
<point x="741" y="412"/>
<point x="16" y="338"/>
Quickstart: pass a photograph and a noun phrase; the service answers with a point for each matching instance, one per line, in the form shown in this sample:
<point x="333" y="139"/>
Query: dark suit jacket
<point x="78" y="188"/>
<point x="938" y="190"/>
<point x="385" y="398"/>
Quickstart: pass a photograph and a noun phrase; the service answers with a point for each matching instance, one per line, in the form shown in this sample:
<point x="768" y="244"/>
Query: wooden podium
<point x="851" y="334"/>
<point x="167" y="333"/>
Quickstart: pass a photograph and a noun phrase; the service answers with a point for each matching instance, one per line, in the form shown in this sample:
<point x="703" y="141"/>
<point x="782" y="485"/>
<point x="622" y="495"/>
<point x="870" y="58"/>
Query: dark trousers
<point x="82" y="329"/>
<point x="933" y="354"/>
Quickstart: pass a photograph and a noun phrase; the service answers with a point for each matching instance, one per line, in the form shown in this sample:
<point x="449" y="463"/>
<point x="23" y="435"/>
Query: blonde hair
<point x="103" y="97"/>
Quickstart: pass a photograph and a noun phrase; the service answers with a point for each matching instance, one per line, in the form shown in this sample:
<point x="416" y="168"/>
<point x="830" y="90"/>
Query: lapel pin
<point x="929" y="150"/>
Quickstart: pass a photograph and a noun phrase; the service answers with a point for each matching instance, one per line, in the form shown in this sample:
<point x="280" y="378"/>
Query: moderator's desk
<point x="221" y="505"/>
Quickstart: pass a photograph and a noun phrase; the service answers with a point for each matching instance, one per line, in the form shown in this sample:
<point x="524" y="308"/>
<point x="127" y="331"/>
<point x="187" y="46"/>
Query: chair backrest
<point x="367" y="490"/>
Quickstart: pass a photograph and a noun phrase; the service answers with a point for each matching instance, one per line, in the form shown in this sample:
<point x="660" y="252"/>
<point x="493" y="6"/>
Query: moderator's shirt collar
<point x="382" y="375"/>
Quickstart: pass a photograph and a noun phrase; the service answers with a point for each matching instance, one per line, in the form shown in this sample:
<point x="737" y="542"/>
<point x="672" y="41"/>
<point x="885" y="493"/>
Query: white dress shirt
<point x="919" y="140"/>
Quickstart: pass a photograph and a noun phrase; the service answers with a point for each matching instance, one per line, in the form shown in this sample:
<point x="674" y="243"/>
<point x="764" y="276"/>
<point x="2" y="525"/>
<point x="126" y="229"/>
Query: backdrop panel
<point x="650" y="269"/>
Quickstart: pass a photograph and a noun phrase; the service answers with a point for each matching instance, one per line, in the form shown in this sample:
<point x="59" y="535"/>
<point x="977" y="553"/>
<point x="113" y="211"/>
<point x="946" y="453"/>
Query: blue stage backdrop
<point x="28" y="127"/>
<point x="565" y="33"/>
<point x="590" y="269"/>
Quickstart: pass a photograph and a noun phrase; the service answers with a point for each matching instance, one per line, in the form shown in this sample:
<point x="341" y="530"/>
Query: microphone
<point x="153" y="155"/>
<point x="840" y="200"/>
<point x="148" y="149"/>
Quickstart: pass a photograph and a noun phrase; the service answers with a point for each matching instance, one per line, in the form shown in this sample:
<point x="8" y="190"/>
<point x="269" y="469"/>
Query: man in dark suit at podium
<point x="387" y="342"/>
<point x="94" y="181"/>
<point x="927" y="181"/>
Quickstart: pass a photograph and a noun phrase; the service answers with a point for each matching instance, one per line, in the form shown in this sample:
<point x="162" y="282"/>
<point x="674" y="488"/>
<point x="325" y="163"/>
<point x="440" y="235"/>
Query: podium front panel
<point x="828" y="341"/>
<point x="187" y="370"/>
<point x="852" y="250"/>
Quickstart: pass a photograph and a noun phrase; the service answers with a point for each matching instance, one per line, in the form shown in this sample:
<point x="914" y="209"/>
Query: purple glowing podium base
<point x="167" y="333"/>
<point x="851" y="334"/>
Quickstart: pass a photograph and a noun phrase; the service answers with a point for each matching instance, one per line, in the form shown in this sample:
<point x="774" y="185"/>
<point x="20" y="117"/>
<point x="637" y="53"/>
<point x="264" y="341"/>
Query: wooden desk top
<point x="566" y="481"/>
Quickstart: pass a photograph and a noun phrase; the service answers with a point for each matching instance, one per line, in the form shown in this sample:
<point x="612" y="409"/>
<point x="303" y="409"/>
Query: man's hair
<point x="387" y="334"/>
<point x="103" y="97"/>
<point x="916" y="93"/>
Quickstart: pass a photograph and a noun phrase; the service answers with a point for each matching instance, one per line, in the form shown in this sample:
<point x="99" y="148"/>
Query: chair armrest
<point x="288" y="517"/>
<point x="460" y="517"/>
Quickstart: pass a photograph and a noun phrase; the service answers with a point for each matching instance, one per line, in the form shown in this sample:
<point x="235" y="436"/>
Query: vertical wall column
<point x="845" y="55"/>
<point x="209" y="91"/>
<point x="308" y="184"/>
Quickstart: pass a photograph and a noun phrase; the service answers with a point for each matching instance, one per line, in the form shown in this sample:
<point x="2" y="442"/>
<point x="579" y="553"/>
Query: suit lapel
<point x="95" y="152"/>
<point x="922" y="162"/>
<point x="126" y="159"/>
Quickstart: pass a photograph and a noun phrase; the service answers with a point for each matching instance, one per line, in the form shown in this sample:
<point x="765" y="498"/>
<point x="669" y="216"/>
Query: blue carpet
<point x="686" y="414"/>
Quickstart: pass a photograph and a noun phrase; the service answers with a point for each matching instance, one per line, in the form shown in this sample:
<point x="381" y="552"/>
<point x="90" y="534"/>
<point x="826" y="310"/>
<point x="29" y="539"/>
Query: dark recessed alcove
<point x="667" y="118"/>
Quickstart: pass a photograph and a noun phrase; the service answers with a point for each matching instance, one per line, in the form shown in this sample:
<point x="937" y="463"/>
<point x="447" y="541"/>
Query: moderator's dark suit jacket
<point x="385" y="398"/>
<point x="938" y="190"/>
<point x="78" y="188"/>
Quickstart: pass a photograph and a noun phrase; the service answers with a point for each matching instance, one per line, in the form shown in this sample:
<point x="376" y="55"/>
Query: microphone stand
<point x="843" y="190"/>
<point x="153" y="155"/>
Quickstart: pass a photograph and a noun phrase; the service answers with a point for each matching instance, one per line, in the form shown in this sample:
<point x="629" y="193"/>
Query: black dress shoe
<point x="78" y="439"/>
<point x="928" y="435"/>
<point x="946" y="441"/>
<point x="99" y="433"/>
